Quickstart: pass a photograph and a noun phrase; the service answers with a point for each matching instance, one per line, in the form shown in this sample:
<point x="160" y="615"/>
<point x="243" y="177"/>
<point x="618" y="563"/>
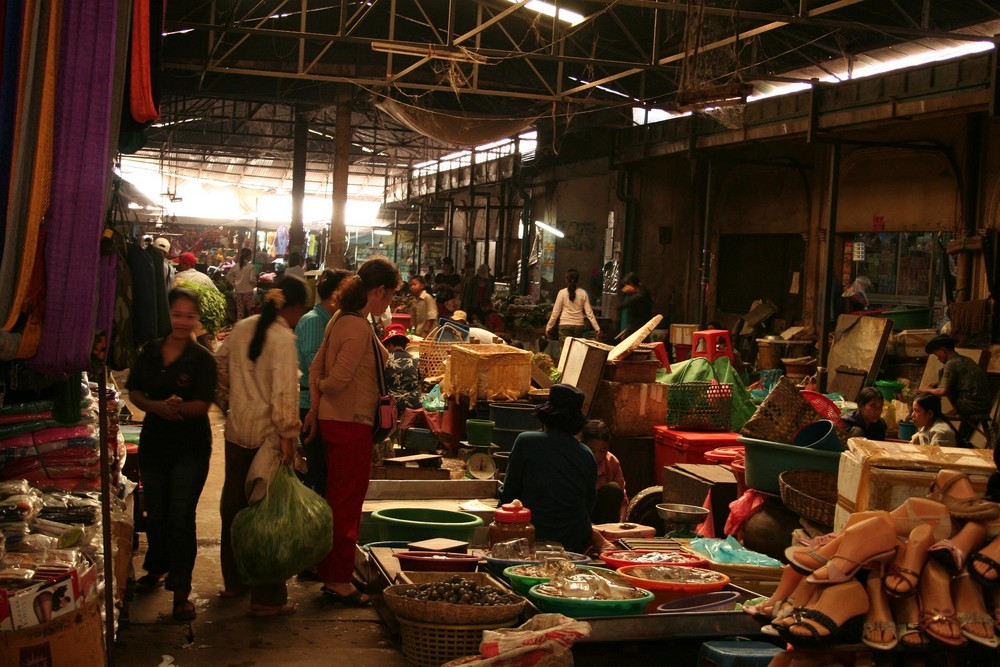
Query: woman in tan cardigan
<point x="343" y="388"/>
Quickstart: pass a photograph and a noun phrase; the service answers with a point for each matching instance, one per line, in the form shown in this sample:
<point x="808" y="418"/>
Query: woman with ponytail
<point x="933" y="428"/>
<point x="572" y="304"/>
<point x="258" y="368"/>
<point x="344" y="393"/>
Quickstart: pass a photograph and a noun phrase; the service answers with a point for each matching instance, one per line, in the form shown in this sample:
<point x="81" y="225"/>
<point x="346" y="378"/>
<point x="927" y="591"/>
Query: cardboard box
<point x="630" y="409"/>
<point x="47" y="600"/>
<point x="75" y="638"/>
<point x="883" y="475"/>
<point x="689" y="483"/>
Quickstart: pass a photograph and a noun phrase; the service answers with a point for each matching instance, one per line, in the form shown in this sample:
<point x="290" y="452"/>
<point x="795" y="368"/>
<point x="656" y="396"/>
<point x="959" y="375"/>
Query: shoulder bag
<point x="385" y="422"/>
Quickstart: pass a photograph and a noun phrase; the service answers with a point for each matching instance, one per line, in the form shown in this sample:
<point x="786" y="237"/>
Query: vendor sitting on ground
<point x="402" y="377"/>
<point x="554" y="474"/>
<point x="611" y="497"/>
<point x="476" y="334"/>
<point x="932" y="427"/>
<point x="964" y="383"/>
<point x="866" y="421"/>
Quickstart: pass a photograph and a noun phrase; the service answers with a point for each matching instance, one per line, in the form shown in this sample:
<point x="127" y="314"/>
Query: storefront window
<point x="902" y="266"/>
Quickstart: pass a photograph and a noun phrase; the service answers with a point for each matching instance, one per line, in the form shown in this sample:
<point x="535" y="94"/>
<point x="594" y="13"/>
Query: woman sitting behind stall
<point x="402" y="377"/>
<point x="932" y="427"/>
<point x="611" y="497"/>
<point x="554" y="474"/>
<point x="866" y="421"/>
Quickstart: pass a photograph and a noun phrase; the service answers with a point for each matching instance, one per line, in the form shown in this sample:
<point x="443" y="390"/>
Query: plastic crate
<point x="674" y="446"/>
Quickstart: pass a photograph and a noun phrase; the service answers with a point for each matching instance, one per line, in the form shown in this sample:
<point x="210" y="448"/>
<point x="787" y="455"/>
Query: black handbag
<point x="386" y="417"/>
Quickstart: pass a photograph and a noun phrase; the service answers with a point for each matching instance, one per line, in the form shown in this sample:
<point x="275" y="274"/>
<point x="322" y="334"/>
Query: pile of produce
<point x="211" y="305"/>
<point x="459" y="590"/>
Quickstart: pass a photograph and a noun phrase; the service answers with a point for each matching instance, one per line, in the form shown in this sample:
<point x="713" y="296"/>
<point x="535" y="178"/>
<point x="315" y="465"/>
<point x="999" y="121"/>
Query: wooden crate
<point x="489" y="372"/>
<point x="630" y="409"/>
<point x="631" y="371"/>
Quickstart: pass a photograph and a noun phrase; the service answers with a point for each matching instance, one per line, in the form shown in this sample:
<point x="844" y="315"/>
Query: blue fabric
<point x="309" y="334"/>
<point x="12" y="24"/>
<point x="554" y="475"/>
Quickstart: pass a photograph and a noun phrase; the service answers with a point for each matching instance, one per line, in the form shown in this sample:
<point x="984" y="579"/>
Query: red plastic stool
<point x="711" y="344"/>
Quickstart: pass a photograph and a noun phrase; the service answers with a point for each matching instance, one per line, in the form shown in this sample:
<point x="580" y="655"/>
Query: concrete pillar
<point x="341" y="168"/>
<point x="296" y="232"/>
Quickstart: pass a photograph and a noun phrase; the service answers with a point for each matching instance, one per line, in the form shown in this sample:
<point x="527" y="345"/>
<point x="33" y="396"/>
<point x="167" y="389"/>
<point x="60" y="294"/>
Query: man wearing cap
<point x="553" y="474"/>
<point x="964" y="383"/>
<point x="402" y="377"/>
<point x="163" y="245"/>
<point x="186" y="262"/>
<point x="476" y="334"/>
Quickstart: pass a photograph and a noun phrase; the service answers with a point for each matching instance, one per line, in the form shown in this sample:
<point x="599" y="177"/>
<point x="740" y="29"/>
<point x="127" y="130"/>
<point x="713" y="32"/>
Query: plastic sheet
<point x="700" y="369"/>
<point x="730" y="551"/>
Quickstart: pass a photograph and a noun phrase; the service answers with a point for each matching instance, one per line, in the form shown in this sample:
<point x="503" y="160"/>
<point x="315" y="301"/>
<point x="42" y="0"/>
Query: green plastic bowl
<point x="523" y="584"/>
<point x="413" y="524"/>
<point x="576" y="608"/>
<point x="889" y="388"/>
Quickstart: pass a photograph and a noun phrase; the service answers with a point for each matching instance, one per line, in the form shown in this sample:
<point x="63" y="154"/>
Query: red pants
<point x="349" y="461"/>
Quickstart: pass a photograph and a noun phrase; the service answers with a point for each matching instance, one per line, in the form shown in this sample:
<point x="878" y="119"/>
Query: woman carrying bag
<point x="348" y="403"/>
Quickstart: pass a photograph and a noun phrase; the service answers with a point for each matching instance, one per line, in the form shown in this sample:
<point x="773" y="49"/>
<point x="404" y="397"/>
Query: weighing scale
<point x="684" y="517"/>
<point x="480" y="464"/>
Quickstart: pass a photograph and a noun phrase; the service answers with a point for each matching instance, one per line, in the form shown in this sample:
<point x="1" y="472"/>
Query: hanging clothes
<point x="9" y="79"/>
<point x="81" y="170"/>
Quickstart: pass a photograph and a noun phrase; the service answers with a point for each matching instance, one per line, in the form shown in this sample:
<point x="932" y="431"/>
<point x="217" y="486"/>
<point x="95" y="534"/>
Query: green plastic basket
<point x="577" y="608"/>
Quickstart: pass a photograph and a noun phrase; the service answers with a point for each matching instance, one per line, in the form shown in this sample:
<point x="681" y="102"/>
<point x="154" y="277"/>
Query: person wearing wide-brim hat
<point x="553" y="474"/>
<point x="963" y="382"/>
<point x="402" y="377"/>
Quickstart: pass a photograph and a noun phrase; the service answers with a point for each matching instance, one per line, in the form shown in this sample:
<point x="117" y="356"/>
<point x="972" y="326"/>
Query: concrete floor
<point x="320" y="633"/>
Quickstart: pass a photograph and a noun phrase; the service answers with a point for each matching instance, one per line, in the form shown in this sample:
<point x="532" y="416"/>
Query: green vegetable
<point x="211" y="305"/>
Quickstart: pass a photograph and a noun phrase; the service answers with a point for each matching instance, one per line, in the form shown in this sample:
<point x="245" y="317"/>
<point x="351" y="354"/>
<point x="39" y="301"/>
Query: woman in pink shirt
<point x="611" y="497"/>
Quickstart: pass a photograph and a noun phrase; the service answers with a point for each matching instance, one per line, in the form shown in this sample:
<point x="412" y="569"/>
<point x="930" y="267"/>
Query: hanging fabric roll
<point x="9" y="71"/>
<point x="29" y="286"/>
<point x="80" y="173"/>
<point x="141" y="86"/>
<point x="25" y="133"/>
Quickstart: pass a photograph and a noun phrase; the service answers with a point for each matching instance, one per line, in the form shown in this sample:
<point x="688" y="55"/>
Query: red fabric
<point x="141" y="85"/>
<point x="348" y="468"/>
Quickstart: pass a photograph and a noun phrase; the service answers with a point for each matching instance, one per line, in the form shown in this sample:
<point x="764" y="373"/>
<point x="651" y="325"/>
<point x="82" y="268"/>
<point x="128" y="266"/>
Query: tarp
<point x="455" y="128"/>
<point x="700" y="369"/>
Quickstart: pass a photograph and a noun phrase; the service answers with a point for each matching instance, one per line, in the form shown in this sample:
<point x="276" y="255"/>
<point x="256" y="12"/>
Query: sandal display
<point x="903" y="575"/>
<point x="984" y="567"/>
<point x="870" y="542"/>
<point x="951" y="553"/>
<point x="840" y="610"/>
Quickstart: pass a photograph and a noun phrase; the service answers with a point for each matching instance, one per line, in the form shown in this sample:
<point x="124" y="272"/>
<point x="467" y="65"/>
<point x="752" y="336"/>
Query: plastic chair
<point x="736" y="654"/>
<point x="712" y="344"/>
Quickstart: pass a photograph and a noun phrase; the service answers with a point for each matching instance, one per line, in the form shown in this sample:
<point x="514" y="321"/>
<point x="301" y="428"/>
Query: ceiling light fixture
<point x="549" y="228"/>
<point x="547" y="9"/>
<point x="430" y="51"/>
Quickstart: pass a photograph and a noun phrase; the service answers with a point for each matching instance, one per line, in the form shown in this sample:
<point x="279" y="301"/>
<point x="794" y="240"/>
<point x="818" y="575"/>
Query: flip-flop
<point x="230" y="594"/>
<point x="928" y="616"/>
<point x="907" y="629"/>
<point x="354" y="599"/>
<point x="880" y="626"/>
<point x="185" y="611"/>
<point x="148" y="583"/>
<point x="978" y="618"/>
<point x="979" y="557"/>
<point x="262" y="612"/>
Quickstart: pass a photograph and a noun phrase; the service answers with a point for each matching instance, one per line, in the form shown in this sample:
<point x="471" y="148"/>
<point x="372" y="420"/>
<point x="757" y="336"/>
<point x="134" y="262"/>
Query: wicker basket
<point x="812" y="494"/>
<point x="447" y="612"/>
<point x="433" y="644"/>
<point x="490" y="372"/>
<point x="782" y="414"/>
<point x="699" y="406"/>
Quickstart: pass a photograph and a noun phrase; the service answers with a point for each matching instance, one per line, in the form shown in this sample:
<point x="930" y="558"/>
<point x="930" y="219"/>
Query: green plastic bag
<point x="289" y="531"/>
<point x="700" y="369"/>
<point x="433" y="401"/>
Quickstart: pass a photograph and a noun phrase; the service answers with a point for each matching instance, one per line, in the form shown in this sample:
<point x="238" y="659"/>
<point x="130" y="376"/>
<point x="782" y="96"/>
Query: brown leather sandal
<point x="970" y="509"/>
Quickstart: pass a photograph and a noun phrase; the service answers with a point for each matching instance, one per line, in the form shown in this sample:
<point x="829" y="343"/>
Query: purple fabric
<point x="80" y="172"/>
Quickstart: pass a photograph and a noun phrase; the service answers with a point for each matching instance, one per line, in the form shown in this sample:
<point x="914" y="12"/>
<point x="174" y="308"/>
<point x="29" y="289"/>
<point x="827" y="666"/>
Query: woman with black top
<point x="173" y="381"/>
<point x="866" y="421"/>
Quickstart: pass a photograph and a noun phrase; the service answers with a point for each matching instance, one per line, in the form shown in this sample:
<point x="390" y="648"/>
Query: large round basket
<point x="812" y="494"/>
<point x="426" y="611"/>
<point x="433" y="644"/>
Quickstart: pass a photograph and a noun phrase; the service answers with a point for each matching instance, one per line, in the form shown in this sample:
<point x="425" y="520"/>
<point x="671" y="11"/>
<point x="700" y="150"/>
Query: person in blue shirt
<point x="555" y="475"/>
<point x="309" y="334"/>
<point x="867" y="420"/>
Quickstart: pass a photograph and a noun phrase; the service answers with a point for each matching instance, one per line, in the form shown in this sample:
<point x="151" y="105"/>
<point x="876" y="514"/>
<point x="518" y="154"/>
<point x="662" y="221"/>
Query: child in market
<point x="611" y="497"/>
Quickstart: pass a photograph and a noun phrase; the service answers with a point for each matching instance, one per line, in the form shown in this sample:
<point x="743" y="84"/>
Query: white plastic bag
<point x="547" y="637"/>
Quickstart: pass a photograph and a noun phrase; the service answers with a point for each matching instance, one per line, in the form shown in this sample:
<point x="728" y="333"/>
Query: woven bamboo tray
<point x="425" y="611"/>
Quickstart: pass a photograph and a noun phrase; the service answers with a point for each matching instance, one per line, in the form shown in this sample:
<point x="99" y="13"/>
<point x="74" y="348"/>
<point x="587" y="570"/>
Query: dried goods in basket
<point x="496" y="605"/>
